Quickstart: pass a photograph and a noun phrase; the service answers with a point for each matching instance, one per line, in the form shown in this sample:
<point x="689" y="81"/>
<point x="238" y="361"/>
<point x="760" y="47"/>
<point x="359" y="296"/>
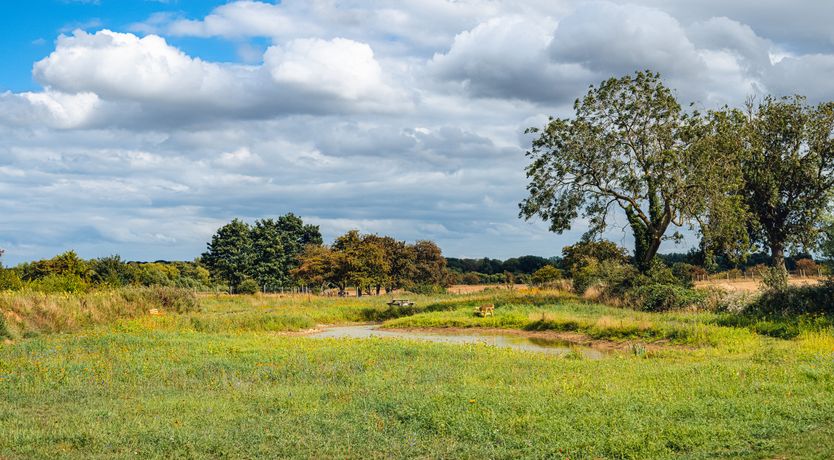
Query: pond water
<point x="517" y="342"/>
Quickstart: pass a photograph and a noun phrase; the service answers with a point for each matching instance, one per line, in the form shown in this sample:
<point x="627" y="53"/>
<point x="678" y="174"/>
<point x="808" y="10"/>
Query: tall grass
<point x="26" y="313"/>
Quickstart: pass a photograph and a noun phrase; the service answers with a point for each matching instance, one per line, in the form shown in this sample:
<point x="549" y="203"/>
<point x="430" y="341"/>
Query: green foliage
<point x="546" y="275"/>
<point x="664" y="297"/>
<point x="111" y="271"/>
<point x="9" y="280"/>
<point x="631" y="146"/>
<point x="796" y="300"/>
<point x="775" y="279"/>
<point x="229" y="256"/>
<point x="248" y="286"/>
<point x="4" y="330"/>
<point x="55" y="283"/>
<point x="787" y="162"/>
<point x="577" y="255"/>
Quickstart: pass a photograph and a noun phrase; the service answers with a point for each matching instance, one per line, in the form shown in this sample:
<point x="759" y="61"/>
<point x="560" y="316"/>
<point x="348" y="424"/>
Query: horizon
<point x="138" y="128"/>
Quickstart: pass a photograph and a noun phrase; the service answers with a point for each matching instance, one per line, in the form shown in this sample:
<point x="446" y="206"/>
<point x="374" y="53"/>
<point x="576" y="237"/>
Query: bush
<point x="173" y="299"/>
<point x="796" y="300"/>
<point x="807" y="267"/>
<point x="427" y="289"/>
<point x="4" y="331"/>
<point x="9" y="280"/>
<point x="546" y="275"/>
<point x="685" y="273"/>
<point x="664" y="297"/>
<point x="55" y="284"/>
<point x="248" y="286"/>
<point x="775" y="280"/>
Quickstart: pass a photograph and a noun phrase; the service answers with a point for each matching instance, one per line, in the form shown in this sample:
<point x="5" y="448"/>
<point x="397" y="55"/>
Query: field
<point x="753" y="285"/>
<point x="241" y="378"/>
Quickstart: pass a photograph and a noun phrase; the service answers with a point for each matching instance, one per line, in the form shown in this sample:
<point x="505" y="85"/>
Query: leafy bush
<point x="4" y="331"/>
<point x="248" y="286"/>
<point x="9" y="280"/>
<point x="546" y="275"/>
<point x="686" y="273"/>
<point x="775" y="280"/>
<point x="54" y="284"/>
<point x="796" y="300"/>
<point x="427" y="289"/>
<point x="664" y="297"/>
<point x="173" y="299"/>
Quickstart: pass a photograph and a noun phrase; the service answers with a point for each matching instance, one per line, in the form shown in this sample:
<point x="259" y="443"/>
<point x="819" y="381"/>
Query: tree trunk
<point x="646" y="241"/>
<point x="777" y="256"/>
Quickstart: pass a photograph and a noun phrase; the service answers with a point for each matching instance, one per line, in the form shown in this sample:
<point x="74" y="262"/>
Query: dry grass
<point x="752" y="285"/>
<point x="28" y="313"/>
<point x="474" y="288"/>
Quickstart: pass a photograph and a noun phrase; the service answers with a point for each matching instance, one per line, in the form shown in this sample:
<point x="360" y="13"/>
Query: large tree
<point x="628" y="146"/>
<point x="788" y="168"/>
<point x="229" y="256"/>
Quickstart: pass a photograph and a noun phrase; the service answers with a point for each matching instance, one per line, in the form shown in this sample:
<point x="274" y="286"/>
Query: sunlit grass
<point x="229" y="382"/>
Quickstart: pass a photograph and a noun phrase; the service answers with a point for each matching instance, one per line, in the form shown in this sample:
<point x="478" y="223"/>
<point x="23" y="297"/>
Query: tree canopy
<point x="629" y="146"/>
<point x="787" y="163"/>
<point x="266" y="251"/>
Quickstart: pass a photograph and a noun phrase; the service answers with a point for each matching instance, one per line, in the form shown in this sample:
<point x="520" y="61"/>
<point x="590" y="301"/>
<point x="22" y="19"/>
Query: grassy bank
<point x="221" y="383"/>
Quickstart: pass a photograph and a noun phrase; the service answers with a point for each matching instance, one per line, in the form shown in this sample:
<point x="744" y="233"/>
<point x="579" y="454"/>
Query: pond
<point x="517" y="342"/>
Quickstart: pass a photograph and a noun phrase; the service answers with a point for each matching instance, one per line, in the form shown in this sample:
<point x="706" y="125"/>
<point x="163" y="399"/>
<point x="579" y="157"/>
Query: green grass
<point x="219" y="384"/>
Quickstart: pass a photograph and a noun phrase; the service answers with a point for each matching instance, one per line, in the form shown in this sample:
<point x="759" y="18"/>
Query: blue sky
<point x="29" y="30"/>
<point x="139" y="127"/>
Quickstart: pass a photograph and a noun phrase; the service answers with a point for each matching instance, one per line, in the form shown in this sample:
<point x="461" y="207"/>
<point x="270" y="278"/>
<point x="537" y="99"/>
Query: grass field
<point x="238" y="379"/>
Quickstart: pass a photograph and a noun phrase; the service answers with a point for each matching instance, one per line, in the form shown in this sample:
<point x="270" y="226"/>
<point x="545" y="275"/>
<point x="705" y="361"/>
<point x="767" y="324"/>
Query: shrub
<point x="796" y="300"/>
<point x="248" y="286"/>
<point x="576" y="256"/>
<point x="173" y="299"/>
<point x="59" y="283"/>
<point x="427" y="289"/>
<point x="546" y="275"/>
<point x="685" y="273"/>
<point x="664" y="297"/>
<point x="775" y="280"/>
<point x="807" y="267"/>
<point x="9" y="280"/>
<point x="759" y="270"/>
<point x="4" y="331"/>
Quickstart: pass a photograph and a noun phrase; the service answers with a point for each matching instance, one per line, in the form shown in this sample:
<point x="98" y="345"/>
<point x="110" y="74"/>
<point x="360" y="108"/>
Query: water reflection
<point x="517" y="342"/>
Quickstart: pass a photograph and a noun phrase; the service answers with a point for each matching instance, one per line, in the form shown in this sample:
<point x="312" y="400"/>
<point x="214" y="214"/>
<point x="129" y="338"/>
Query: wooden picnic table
<point x="401" y="303"/>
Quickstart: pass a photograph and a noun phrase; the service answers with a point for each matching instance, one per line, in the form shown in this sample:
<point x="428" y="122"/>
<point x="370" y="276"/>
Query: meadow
<point x="237" y="377"/>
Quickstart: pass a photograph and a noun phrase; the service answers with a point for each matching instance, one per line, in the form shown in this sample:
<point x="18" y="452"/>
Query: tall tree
<point x="628" y="147"/>
<point x="430" y="264"/>
<point x="788" y="168"/>
<point x="229" y="256"/>
<point x="270" y="260"/>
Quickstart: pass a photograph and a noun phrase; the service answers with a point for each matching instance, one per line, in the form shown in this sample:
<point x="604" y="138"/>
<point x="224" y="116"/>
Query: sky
<point x="138" y="127"/>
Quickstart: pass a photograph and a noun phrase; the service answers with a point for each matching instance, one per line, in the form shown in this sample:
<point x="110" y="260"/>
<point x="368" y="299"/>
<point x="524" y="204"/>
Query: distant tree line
<point x="67" y="272"/>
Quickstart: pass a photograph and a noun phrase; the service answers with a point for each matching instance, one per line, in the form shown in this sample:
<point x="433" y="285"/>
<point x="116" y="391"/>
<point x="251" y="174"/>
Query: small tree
<point x="546" y="275"/>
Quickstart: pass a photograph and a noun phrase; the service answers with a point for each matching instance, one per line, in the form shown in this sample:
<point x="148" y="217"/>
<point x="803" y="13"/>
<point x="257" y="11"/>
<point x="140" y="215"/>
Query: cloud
<point x="137" y="81"/>
<point x="402" y="117"/>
